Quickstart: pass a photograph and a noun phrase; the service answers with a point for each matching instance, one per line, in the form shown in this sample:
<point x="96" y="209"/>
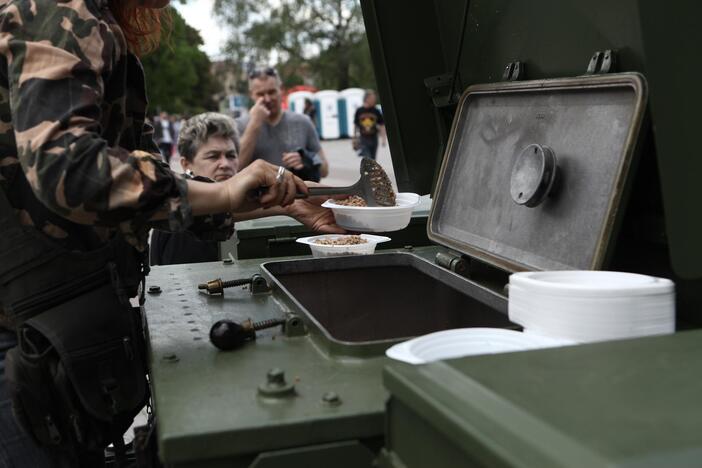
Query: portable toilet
<point x="343" y="120"/>
<point x="350" y="100"/>
<point x="328" y="112"/>
<point x="296" y="100"/>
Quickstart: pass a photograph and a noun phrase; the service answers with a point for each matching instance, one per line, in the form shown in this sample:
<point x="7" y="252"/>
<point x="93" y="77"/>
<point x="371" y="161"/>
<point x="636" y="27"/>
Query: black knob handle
<point x="227" y="334"/>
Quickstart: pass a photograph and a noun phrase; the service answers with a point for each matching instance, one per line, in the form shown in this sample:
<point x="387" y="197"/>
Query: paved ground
<point x="343" y="163"/>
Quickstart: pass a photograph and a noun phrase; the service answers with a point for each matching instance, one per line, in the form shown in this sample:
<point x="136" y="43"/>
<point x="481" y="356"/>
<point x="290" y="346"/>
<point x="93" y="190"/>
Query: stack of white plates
<point x="461" y="342"/>
<point x="586" y="306"/>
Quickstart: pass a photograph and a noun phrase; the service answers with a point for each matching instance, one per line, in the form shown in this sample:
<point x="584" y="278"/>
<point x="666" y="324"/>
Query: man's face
<point x="216" y="159"/>
<point x="371" y="100"/>
<point x="266" y="87"/>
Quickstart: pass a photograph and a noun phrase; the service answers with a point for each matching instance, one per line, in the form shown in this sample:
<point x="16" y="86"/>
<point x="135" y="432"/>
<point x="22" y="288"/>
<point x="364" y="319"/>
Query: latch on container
<point x="514" y="71"/>
<point x="601" y="62"/>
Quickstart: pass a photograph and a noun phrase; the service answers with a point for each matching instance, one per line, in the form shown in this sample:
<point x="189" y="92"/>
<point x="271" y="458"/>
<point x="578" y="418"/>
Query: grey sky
<point x="199" y="15"/>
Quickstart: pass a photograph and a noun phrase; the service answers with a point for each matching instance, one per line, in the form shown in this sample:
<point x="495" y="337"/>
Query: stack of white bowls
<point x="587" y="306"/>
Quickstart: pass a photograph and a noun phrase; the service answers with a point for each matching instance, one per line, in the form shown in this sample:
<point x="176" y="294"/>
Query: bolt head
<point x="154" y="289"/>
<point x="276" y="376"/>
<point x="331" y="398"/>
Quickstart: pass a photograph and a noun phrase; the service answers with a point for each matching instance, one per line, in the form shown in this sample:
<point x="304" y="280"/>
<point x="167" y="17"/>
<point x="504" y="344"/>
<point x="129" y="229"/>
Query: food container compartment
<point x="375" y="218"/>
<point x="322" y="250"/>
<point x="362" y="305"/>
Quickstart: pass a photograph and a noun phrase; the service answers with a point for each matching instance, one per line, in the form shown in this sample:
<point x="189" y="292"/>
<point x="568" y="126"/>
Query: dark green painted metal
<point x="207" y="401"/>
<point x="623" y="403"/>
<point x="672" y="37"/>
<point x="210" y="413"/>
<point x="554" y="39"/>
<point x="351" y="454"/>
<point x="405" y="48"/>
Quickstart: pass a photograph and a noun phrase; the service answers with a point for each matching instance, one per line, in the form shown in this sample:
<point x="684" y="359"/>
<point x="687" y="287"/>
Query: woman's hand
<point x="260" y="174"/>
<point x="309" y="212"/>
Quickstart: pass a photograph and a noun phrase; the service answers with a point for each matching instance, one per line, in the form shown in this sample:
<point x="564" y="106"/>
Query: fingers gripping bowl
<point x="375" y="218"/>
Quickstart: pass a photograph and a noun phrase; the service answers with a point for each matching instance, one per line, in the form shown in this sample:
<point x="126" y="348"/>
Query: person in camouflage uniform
<point x="77" y="162"/>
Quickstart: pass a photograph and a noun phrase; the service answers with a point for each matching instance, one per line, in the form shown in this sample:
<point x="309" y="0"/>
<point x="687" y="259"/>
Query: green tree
<point x="326" y="35"/>
<point x="178" y="74"/>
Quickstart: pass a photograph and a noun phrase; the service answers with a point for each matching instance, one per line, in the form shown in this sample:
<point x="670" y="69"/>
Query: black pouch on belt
<point x="78" y="374"/>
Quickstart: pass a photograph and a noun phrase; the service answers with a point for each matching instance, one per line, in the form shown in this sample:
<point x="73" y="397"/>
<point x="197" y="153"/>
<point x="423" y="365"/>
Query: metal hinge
<point x="439" y="88"/>
<point x="453" y="261"/>
<point x="601" y="62"/>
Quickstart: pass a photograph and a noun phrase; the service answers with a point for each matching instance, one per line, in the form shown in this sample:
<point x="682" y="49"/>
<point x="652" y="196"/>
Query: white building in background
<point x="327" y="102"/>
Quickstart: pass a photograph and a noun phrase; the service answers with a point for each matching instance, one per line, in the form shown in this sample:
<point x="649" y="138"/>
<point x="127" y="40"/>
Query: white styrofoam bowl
<point x="322" y="250"/>
<point x="375" y="218"/>
<point x="460" y="342"/>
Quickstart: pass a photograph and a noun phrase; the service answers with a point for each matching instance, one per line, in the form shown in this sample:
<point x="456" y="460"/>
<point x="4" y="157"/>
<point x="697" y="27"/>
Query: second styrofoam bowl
<point x="323" y="250"/>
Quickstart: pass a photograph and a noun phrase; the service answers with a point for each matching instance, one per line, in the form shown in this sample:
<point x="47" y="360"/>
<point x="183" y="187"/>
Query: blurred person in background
<point x="368" y="124"/>
<point x="276" y="135"/>
<point x="165" y="135"/>
<point x="208" y="145"/>
<point x="310" y="110"/>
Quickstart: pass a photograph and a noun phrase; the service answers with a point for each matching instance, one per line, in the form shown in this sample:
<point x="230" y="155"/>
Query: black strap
<point x="37" y="273"/>
<point x="21" y="249"/>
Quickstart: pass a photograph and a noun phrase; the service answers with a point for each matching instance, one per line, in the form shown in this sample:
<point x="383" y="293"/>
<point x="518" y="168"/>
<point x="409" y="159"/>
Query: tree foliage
<point x="324" y="38"/>
<point x="178" y="74"/>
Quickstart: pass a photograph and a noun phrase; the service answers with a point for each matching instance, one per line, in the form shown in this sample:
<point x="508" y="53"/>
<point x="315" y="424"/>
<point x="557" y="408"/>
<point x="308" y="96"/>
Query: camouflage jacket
<point x="77" y="160"/>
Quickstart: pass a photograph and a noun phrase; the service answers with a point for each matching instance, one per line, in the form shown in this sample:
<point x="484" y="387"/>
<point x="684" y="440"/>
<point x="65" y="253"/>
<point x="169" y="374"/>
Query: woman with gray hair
<point x="209" y="147"/>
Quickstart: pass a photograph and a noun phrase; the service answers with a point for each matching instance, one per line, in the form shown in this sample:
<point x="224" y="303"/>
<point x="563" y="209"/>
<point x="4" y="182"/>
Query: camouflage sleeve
<point x="215" y="227"/>
<point x="57" y="55"/>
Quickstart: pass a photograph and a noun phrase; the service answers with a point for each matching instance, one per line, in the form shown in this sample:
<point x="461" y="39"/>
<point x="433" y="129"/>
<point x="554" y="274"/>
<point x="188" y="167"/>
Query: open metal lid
<point x="534" y="172"/>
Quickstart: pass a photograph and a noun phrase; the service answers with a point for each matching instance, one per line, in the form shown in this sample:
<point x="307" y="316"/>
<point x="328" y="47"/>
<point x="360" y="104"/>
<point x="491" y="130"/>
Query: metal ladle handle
<point x="533" y="175"/>
<point x="255" y="194"/>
